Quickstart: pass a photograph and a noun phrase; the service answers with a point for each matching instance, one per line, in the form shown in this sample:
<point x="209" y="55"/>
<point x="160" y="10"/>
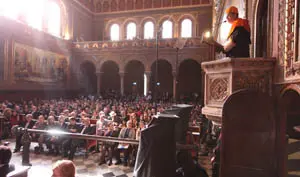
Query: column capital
<point x="174" y="73"/>
<point x="148" y="73"/>
<point x="122" y="73"/>
<point x="99" y="73"/>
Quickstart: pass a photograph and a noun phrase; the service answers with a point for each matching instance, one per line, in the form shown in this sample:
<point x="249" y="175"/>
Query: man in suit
<point x="87" y="129"/>
<point x="129" y="133"/>
<point x="5" y="156"/>
<point x="29" y="123"/>
<point x="109" y="146"/>
<point x="72" y="128"/>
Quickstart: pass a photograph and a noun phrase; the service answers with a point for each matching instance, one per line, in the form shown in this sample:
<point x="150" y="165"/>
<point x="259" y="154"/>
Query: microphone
<point x="225" y="21"/>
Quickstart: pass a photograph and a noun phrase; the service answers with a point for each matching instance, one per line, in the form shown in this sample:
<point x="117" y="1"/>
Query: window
<point x="115" y="32"/>
<point x="53" y="18"/>
<point x="39" y="14"/>
<point x="33" y="11"/>
<point x="148" y="30"/>
<point x="10" y="9"/>
<point x="131" y="31"/>
<point x="186" y="28"/>
<point x="167" y="31"/>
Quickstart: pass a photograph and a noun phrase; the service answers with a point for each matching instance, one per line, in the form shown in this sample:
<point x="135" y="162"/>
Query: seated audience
<point x="87" y="129"/>
<point x="126" y="132"/>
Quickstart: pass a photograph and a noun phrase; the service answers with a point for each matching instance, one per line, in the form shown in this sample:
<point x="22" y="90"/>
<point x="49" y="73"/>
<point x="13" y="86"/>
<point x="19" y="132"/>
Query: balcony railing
<point x="140" y="44"/>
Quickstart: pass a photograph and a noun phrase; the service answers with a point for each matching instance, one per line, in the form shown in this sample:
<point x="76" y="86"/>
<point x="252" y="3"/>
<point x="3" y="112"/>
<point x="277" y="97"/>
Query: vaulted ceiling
<point x="102" y="6"/>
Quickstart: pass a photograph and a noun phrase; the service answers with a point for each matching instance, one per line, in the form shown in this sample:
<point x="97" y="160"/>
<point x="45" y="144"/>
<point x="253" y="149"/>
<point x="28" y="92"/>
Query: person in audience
<point x="39" y="125"/>
<point x="64" y="168"/>
<point x="28" y="123"/>
<point x="127" y="132"/>
<point x="109" y="147"/>
<point x="5" y="156"/>
<point x="51" y="141"/>
<point x="138" y="130"/>
<point x="72" y="128"/>
<point x="87" y="129"/>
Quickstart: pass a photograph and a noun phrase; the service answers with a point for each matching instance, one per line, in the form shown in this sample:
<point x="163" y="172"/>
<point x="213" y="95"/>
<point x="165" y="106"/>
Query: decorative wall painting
<point x="36" y="65"/>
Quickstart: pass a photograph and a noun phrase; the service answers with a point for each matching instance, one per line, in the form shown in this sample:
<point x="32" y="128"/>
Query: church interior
<point x="101" y="87"/>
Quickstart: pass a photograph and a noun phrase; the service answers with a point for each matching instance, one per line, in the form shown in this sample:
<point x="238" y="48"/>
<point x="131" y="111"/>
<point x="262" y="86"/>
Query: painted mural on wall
<point x="36" y="65"/>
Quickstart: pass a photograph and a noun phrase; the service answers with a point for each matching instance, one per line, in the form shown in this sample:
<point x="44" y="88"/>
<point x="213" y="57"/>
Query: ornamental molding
<point x="218" y="90"/>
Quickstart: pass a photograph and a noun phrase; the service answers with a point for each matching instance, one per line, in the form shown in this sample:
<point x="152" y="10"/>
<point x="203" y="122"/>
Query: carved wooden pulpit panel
<point x="248" y="135"/>
<point x="223" y="77"/>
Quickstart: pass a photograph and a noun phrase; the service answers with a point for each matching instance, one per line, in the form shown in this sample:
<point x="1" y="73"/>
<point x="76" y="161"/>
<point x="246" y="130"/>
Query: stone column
<point x="122" y="74"/>
<point x="99" y="75"/>
<point x="174" y="84"/>
<point x="148" y="75"/>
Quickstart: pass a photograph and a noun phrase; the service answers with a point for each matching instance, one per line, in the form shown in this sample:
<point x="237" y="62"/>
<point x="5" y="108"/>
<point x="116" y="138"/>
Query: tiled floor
<point x="85" y="167"/>
<point x="294" y="158"/>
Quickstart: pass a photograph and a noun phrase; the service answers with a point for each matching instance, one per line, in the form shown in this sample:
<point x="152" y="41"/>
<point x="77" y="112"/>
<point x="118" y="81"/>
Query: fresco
<point x="36" y="65"/>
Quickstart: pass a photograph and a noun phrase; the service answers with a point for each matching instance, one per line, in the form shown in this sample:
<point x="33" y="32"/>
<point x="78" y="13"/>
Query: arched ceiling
<point x="104" y="6"/>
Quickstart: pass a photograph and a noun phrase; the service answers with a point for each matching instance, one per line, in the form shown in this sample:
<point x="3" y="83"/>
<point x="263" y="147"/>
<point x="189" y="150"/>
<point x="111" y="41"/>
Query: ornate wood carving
<point x="218" y="89"/>
<point x="281" y="32"/>
<point x="105" y="6"/>
<point x="98" y="7"/>
<point x="113" y="6"/>
<point x="218" y="12"/>
<point x="129" y="4"/>
<point x="121" y="5"/>
<point x="290" y="37"/>
<point x="253" y="80"/>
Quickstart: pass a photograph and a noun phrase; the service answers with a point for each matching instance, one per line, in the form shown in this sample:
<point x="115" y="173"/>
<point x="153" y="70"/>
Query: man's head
<point x="65" y="168"/>
<point x="29" y="117"/>
<point x="5" y="155"/>
<point x="232" y="14"/>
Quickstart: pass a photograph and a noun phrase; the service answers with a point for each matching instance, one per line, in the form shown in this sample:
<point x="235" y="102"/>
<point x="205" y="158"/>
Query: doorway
<point x="291" y="118"/>
<point x="261" y="38"/>
<point x="89" y="79"/>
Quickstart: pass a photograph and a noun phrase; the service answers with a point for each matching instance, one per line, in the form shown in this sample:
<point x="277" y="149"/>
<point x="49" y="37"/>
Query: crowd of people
<point x="123" y="118"/>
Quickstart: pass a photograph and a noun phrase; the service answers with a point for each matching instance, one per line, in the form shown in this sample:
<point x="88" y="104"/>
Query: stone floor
<point x="294" y="158"/>
<point x="85" y="167"/>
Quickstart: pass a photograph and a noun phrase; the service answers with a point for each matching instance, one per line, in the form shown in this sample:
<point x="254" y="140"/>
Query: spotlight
<point x="134" y="83"/>
<point x="207" y="34"/>
<point x="158" y="83"/>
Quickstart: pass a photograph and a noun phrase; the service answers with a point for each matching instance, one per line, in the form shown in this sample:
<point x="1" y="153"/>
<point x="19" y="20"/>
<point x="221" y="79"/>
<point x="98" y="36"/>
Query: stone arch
<point x="142" y="23"/>
<point x="108" y="26"/>
<point x="124" y="26"/>
<point x="166" y="58"/>
<point x="110" y="77"/>
<point x="288" y="114"/>
<point x="257" y="7"/>
<point x="189" y="80"/>
<point x="134" y="77"/>
<point x="183" y="59"/>
<point x="64" y="18"/>
<point x="161" y="80"/>
<point x="88" y="78"/>
<point x="140" y="58"/>
<point x="113" y="59"/>
<point x="190" y="17"/>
